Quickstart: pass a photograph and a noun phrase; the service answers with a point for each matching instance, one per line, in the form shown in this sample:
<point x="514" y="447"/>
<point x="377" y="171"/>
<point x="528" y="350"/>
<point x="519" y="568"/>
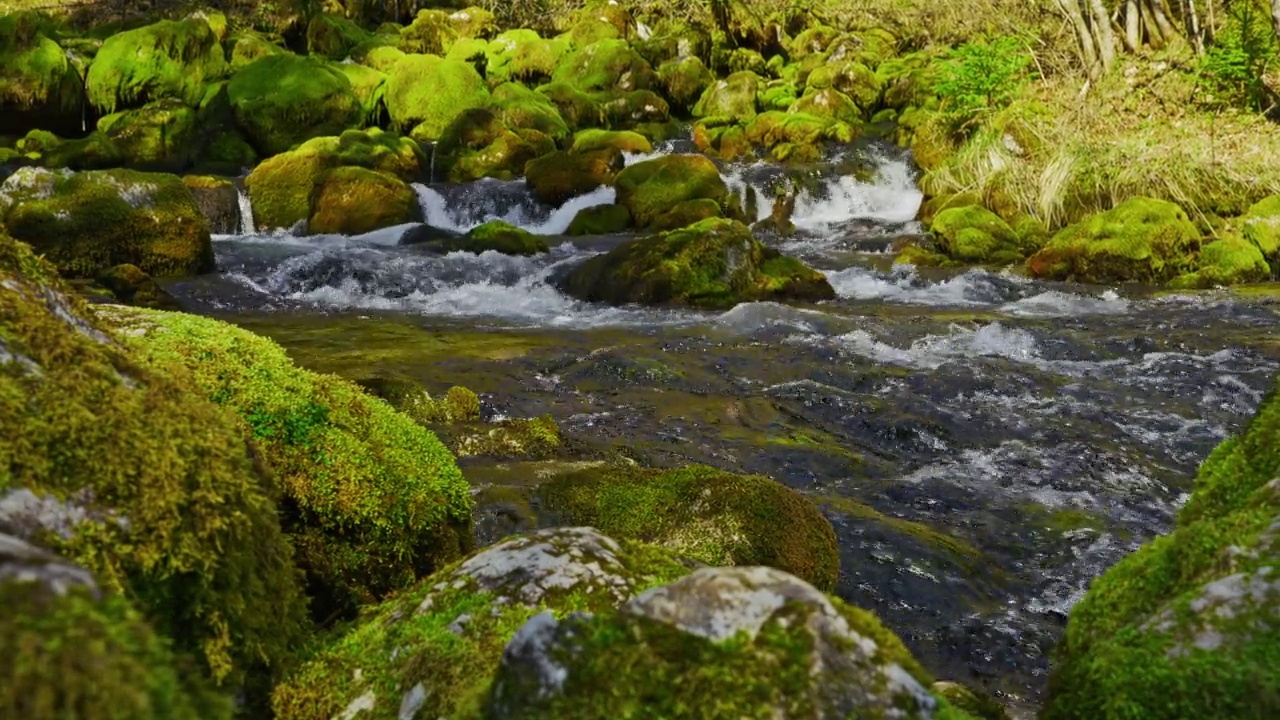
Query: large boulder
<point x="559" y="176"/>
<point x="432" y="651"/>
<point x="710" y="515"/>
<point x="284" y="190"/>
<point x="522" y="55"/>
<point x="974" y="234"/>
<point x="108" y="661"/>
<point x="650" y="188"/>
<point x="715" y="263"/>
<point x="1261" y="226"/>
<point x="733" y="98"/>
<point x="281" y="100"/>
<point x="426" y="93"/>
<point x="1141" y="240"/>
<point x="599" y="220"/>
<point x="478" y="144"/>
<point x="168" y="59"/>
<point x="354" y="200"/>
<point x="117" y="463"/>
<point x="375" y="500"/>
<point x="621" y="140"/>
<point x="1228" y="260"/>
<point x="718" y="643"/>
<point x="606" y="65"/>
<point x="218" y="200"/>
<point x="1189" y="625"/>
<point x="429" y="33"/>
<point x="39" y="85"/>
<point x="159" y="136"/>
<point x="89" y="221"/>
<point x="684" y="81"/>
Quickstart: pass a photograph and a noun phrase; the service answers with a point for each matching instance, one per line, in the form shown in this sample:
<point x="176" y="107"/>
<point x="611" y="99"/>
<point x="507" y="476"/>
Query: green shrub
<point x="1233" y="68"/>
<point x="979" y="78"/>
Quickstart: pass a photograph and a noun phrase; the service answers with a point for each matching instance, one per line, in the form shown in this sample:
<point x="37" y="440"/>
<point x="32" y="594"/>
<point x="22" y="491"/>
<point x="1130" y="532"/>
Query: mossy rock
<point x="734" y="98"/>
<point x="522" y="55"/>
<point x="168" y="59"/>
<point x="523" y="109"/>
<point x="600" y="220"/>
<point x="369" y="86"/>
<point x="830" y="104"/>
<point x="1261" y="226"/>
<point x="36" y="77"/>
<point x="687" y="213"/>
<point x="95" y="151"/>
<point x="1140" y="240"/>
<point x="972" y="233"/>
<point x="280" y="101"/>
<point x="355" y="200"/>
<point x="430" y="33"/>
<point x="131" y="286"/>
<point x="975" y="703"/>
<point x="201" y="554"/>
<point x="1227" y="261"/>
<point x="778" y="95"/>
<point x="376" y="500"/>
<point x="650" y="188"/>
<point x="556" y="177"/>
<point x="634" y="108"/>
<point x="333" y="36"/>
<point x="477" y="144"/>
<point x="381" y="58"/>
<point x="1186" y="626"/>
<point x="579" y="109"/>
<point x="497" y="236"/>
<point x="218" y="200"/>
<point x="89" y="221"/>
<point x="699" y="512"/>
<point x="684" y="81"/>
<point x="812" y="41"/>
<point x="621" y="140"/>
<point x="605" y="65"/>
<point x="719" y="643"/>
<point x="69" y="650"/>
<point x="283" y="188"/>
<point x="249" y="46"/>
<point x="793" y="130"/>
<point x="432" y="651"/>
<point x="159" y="136"/>
<point x="853" y="80"/>
<point x="715" y="263"/>
<point x="426" y="93"/>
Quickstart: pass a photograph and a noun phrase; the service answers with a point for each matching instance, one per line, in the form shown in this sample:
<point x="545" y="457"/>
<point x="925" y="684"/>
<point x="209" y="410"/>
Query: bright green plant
<point x="979" y="78"/>
<point x="1233" y="67"/>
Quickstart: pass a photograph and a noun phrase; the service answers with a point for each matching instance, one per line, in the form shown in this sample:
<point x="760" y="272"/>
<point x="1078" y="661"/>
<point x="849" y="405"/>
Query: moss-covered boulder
<point x="39" y="85"/>
<point x="354" y="200"/>
<point x="795" y="136"/>
<point x="579" y="109"/>
<point x="829" y="104"/>
<point x="247" y="46"/>
<point x="851" y="79"/>
<point x="715" y="263"/>
<point x="559" y="176"/>
<point x="718" y="643"/>
<point x="733" y="98"/>
<point x="159" y="136"/>
<point x="1260" y="225"/>
<point x="68" y="650"/>
<point x="606" y="65"/>
<point x="684" y="81"/>
<point x="498" y="236"/>
<point x="650" y="188"/>
<point x="699" y="512"/>
<point x="218" y="200"/>
<point x="600" y="220"/>
<point x="621" y="140"/>
<point x="89" y="221"/>
<point x="1227" y="261"/>
<point x="1187" y="625"/>
<point x="430" y="33"/>
<point x="1141" y="240"/>
<point x="477" y="144"/>
<point x="974" y="234"/>
<point x="432" y="651"/>
<point x="426" y="93"/>
<point x="117" y="464"/>
<point x="375" y="500"/>
<point x="283" y="189"/>
<point x="522" y="55"/>
<point x="169" y="59"/>
<point x="334" y="37"/>
<point x="369" y="86"/>
<point x="131" y="286"/>
<point x="520" y="108"/>
<point x="282" y="100"/>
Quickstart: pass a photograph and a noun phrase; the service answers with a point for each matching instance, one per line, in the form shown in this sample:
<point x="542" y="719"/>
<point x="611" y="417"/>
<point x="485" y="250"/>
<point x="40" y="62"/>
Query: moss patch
<point x="1142" y="240"/>
<point x="355" y="200"/>
<point x="650" y="188"/>
<point x="282" y="100"/>
<point x="426" y="93"/>
<point x="168" y="59"/>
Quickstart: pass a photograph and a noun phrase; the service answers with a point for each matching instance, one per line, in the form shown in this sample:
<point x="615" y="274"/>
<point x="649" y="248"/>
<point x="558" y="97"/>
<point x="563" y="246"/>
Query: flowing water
<point x="983" y="444"/>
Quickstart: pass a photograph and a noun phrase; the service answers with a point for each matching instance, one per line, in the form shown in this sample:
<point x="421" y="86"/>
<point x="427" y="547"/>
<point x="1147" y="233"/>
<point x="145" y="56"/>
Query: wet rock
<point x="599" y="220"/>
<point x="972" y="233"/>
<point x="218" y="200"/>
<point x="355" y="200"/>
<point x="720" y="642"/>
<point x="131" y="286"/>
<point x="498" y="236"/>
<point x="89" y="221"/>
<point x="650" y="188"/>
<point x="556" y="177"/>
<point x="447" y="634"/>
<point x="713" y="263"/>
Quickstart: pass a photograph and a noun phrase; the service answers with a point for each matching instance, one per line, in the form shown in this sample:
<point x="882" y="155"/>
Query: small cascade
<point x="462" y="207"/>
<point x="246" y="211"/>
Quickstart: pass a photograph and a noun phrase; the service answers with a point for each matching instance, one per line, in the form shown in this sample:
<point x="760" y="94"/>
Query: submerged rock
<point x="498" y="236"/>
<point x="715" y="263"/>
<point x="718" y="643"/>
<point x="89" y="221"/>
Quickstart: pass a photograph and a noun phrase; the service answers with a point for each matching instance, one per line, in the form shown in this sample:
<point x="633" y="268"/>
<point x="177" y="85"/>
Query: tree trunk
<point x="1102" y="34"/>
<point x="1132" y="26"/>
<point x="1088" y="50"/>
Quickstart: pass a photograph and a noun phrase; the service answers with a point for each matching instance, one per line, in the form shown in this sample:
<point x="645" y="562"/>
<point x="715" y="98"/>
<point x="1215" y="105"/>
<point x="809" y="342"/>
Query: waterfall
<point x="246" y="211"/>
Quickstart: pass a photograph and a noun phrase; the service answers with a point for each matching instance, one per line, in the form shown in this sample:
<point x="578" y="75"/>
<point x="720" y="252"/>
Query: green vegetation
<point x="281" y="100"/>
<point x="167" y="59"/>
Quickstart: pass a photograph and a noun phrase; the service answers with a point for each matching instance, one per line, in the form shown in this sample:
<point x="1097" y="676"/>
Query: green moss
<point x="201" y="554"/>
<point x="959" y="549"/>
<point x="600" y="220"/>
<point x="556" y="177"/>
<point x="131" y="286"/>
<point x="368" y="85"/>
<point x="634" y="108"/>
<point x="1141" y="240"/>
<point x="518" y="107"/>
<point x="853" y="80"/>
<point x="377" y="500"/>
<point x="282" y="100"/>
<point x="622" y="140"/>
<point x="605" y="65"/>
<point x="35" y="73"/>
<point x="250" y="46"/>
<point x="578" y="109"/>
<point x="447" y="634"/>
<point x="522" y="55"/>
<point x="169" y="59"/>
<point x="972" y="233"/>
<point x="687" y="213"/>
<point x="73" y="655"/>
<point x="407" y="396"/>
<point x="333" y="36"/>
<point x="477" y="144"/>
<point x="699" y="512"/>
<point x="650" y="188"/>
<point x="734" y="97"/>
<point x="426" y="93"/>
<point x="829" y="104"/>
<point x="1261" y="226"/>
<point x="429" y="33"/>
<point x="516" y="438"/>
<point x="158" y="136"/>
<point x="970" y="702"/>
<point x="715" y="263"/>
<point x="1227" y="261"/>
<point x="498" y="236"/>
<point x="92" y="152"/>
<point x="684" y="81"/>
<point x="381" y="58"/>
<point x="354" y="200"/>
<point x="87" y="222"/>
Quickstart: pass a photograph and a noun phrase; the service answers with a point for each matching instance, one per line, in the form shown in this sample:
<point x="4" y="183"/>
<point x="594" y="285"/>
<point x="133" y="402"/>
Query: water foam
<point x="486" y="200"/>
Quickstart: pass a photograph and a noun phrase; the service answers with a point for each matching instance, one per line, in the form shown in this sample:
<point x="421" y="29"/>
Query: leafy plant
<point x="980" y="78"/>
<point x="1233" y="67"/>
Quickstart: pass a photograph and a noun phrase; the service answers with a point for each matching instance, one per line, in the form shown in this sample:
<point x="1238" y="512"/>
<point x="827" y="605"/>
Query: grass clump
<point x="374" y="500"/>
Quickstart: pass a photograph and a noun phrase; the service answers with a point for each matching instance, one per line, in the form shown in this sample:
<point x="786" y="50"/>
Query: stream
<point x="983" y="444"/>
